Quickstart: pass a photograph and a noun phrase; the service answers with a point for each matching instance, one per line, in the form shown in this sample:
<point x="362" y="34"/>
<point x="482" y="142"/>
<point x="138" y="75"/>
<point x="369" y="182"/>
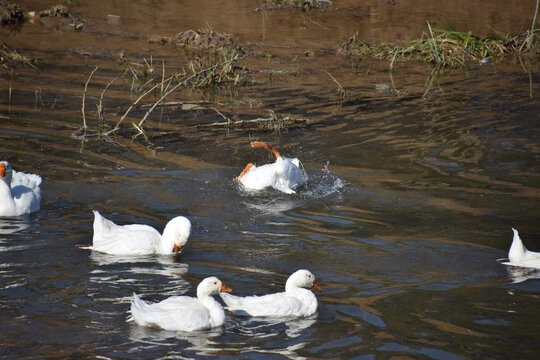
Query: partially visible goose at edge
<point x="284" y="175"/>
<point x="296" y="301"/>
<point x="139" y="239"/>
<point x="19" y="192"/>
<point x="518" y="255"/>
<point x="183" y="313"/>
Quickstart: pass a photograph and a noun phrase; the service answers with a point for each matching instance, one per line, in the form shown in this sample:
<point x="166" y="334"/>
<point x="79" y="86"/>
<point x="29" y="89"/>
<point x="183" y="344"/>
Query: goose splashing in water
<point x="284" y="175"/>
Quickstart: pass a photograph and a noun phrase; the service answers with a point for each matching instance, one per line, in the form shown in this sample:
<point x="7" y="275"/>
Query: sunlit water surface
<point x="408" y="207"/>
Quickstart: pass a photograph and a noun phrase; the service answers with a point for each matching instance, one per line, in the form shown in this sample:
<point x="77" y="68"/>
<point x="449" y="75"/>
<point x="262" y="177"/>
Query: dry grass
<point x="10" y="58"/>
<point x="298" y="4"/>
<point x="447" y="47"/>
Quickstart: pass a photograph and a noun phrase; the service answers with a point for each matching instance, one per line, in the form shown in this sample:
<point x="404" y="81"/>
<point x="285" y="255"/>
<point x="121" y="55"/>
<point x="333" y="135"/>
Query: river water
<point x="410" y="202"/>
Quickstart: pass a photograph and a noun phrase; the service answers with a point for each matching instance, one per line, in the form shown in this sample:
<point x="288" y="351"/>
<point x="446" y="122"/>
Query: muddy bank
<point x="10" y="13"/>
<point x="128" y="73"/>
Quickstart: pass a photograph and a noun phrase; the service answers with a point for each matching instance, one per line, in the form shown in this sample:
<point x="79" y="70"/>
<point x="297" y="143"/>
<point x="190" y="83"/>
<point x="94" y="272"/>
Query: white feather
<point x="138" y="239"/>
<point x="20" y="193"/>
<point x="182" y="312"/>
<point x="518" y="255"/>
<point x="296" y="301"/>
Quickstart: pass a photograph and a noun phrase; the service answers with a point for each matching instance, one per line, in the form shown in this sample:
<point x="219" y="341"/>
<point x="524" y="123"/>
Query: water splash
<point x="321" y="184"/>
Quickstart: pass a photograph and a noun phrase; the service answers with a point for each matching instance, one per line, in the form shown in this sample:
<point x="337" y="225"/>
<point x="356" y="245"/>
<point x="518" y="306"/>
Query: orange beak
<point x="315" y="286"/>
<point x="177" y="248"/>
<point x="225" y="288"/>
<point x="2" y="170"/>
<point x="266" y="146"/>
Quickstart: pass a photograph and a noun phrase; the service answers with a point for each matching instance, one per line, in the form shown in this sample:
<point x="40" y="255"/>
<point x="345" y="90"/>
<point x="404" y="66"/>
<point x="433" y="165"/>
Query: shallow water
<point x="409" y="204"/>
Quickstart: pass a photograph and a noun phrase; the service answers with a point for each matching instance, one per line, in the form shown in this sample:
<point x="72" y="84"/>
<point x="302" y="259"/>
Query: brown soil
<point x="10" y="13"/>
<point x="56" y="11"/>
<point x="296" y="72"/>
<point x="353" y="47"/>
<point x="199" y="39"/>
<point x="204" y="39"/>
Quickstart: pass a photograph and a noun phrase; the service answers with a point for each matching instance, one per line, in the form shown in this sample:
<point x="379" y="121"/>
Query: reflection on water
<point x="245" y="336"/>
<point x="202" y="343"/>
<point x="400" y="231"/>
<point x="10" y="226"/>
<point x="521" y="274"/>
<point x="128" y="274"/>
<point x="267" y="335"/>
<point x="321" y="185"/>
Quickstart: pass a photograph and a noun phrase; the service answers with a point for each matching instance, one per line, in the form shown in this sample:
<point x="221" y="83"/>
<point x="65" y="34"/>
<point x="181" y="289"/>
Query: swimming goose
<point x="284" y="175"/>
<point x="139" y="239"/>
<point x="183" y="313"/>
<point x="296" y="301"/>
<point x="19" y="192"/>
<point x="518" y="255"/>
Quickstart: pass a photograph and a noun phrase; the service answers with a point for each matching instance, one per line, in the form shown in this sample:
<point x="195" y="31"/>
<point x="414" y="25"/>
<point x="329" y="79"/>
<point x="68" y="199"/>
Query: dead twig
<point x="84" y="97"/>
<point x="340" y="88"/>
<point x="179" y="103"/>
<point x="101" y="119"/>
<point x="117" y="127"/>
<point x="274" y="122"/>
<point x="185" y="81"/>
<point x="223" y="116"/>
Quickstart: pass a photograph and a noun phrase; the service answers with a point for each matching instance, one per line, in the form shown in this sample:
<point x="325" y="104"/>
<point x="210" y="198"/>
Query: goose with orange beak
<point x="137" y="239"/>
<point x="19" y="192"/>
<point x="297" y="301"/>
<point x="284" y="175"/>
<point x="183" y="313"/>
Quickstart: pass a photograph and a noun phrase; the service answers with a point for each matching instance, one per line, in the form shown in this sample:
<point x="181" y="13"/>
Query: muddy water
<point x="409" y="203"/>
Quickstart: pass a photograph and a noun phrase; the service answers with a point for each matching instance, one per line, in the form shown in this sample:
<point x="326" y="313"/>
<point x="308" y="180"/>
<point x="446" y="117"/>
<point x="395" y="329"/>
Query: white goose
<point x="183" y="313"/>
<point x="139" y="239"/>
<point x="518" y="255"/>
<point x="296" y="301"/>
<point x="19" y="192"/>
<point x="284" y="175"/>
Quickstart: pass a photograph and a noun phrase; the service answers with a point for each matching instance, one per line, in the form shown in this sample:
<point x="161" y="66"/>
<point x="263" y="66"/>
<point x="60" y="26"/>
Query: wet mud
<point x="10" y="13"/>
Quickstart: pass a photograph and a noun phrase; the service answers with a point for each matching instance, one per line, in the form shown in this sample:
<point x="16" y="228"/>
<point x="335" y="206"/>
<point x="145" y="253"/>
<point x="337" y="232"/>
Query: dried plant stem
<point x="258" y="122"/>
<point x="341" y="90"/>
<point x="530" y="77"/>
<point x="100" y="105"/>
<point x="84" y="97"/>
<point x="165" y="91"/>
<point x="235" y="123"/>
<point x="164" y="96"/>
<point x="135" y="103"/>
<point x="185" y="81"/>
<point x="10" y="87"/>
<point x="179" y="103"/>
<point x="534" y="18"/>
<point x="105" y="89"/>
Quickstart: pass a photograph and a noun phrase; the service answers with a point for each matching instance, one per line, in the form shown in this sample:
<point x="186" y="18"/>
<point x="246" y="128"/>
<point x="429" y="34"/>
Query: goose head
<point x="6" y="171"/>
<point x="302" y="278"/>
<point x="211" y="286"/>
<point x="176" y="234"/>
